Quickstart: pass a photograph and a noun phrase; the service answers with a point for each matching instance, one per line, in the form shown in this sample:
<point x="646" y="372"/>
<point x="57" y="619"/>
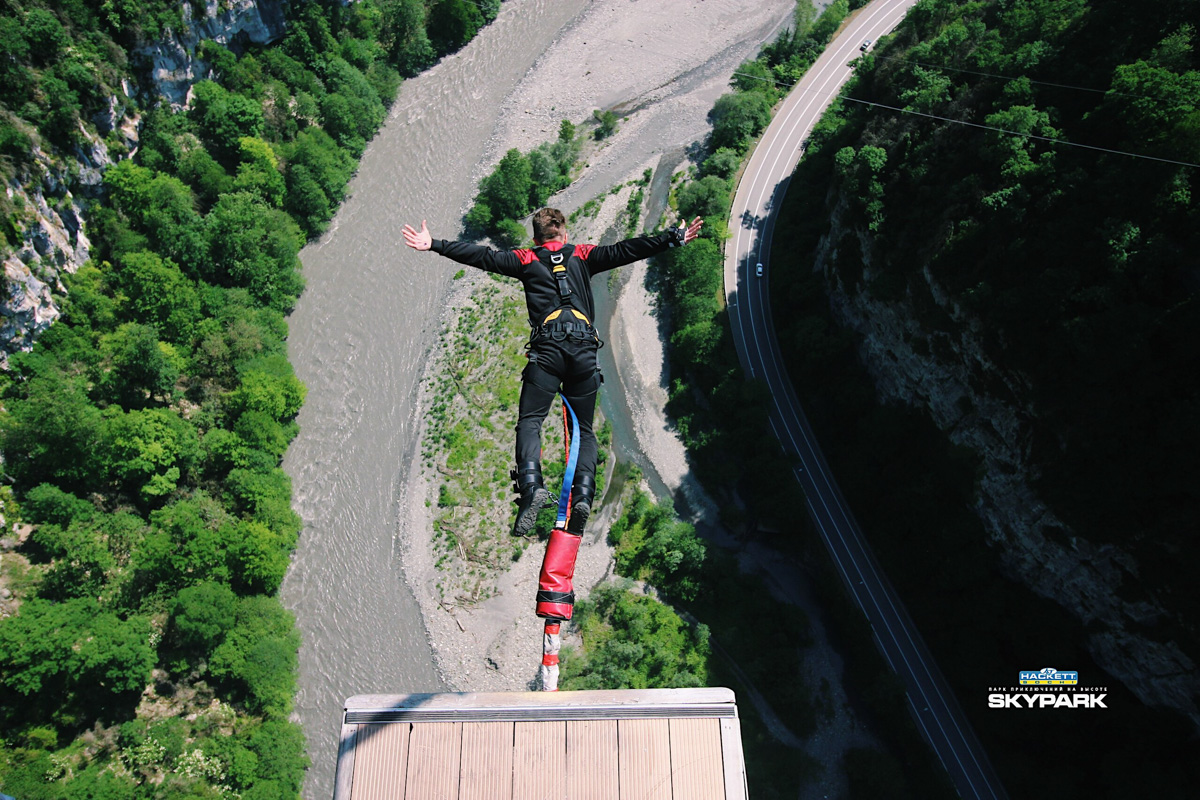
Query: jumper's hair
<point x="547" y="224"/>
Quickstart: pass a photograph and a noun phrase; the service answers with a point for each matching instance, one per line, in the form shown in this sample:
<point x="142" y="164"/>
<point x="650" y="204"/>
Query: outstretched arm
<point x="473" y="255"/>
<point x="606" y="257"/>
<point x="418" y="240"/>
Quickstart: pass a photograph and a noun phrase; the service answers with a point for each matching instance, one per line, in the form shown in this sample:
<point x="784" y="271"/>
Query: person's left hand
<point x="693" y="230"/>
<point x="418" y="240"/>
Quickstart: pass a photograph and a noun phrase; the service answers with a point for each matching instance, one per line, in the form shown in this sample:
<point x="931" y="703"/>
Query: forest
<point x="1058" y="228"/>
<point x="149" y="655"/>
<point x="1076" y="263"/>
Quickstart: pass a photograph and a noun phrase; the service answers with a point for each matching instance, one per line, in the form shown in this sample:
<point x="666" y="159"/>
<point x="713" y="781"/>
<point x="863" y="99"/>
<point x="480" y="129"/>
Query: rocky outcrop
<point x="48" y="195"/>
<point x="53" y="241"/>
<point x="174" y="66"/>
<point x="982" y="406"/>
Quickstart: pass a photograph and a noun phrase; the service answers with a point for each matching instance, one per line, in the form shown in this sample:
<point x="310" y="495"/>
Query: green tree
<point x="738" y="118"/>
<point x="403" y="34"/>
<point x="479" y="219"/>
<point x="137" y="369"/>
<point x="192" y="540"/>
<point x="544" y="175"/>
<point x="201" y="616"/>
<point x="606" y="123"/>
<point x="306" y="201"/>
<point x="73" y="651"/>
<point x="149" y="451"/>
<point x="258" y="171"/>
<point x="44" y="34"/>
<point x="259" y="655"/>
<point x="756" y="76"/>
<point x="279" y="746"/>
<point x="362" y="103"/>
<point x="163" y="207"/>
<point x="723" y="163"/>
<point x="707" y="197"/>
<point x="16" y="79"/>
<point x="509" y="233"/>
<point x="223" y="118"/>
<point x="635" y="642"/>
<point x="258" y="558"/>
<point x="51" y="432"/>
<point x="273" y="390"/>
<point x="61" y="120"/>
<point x="205" y="175"/>
<point x="453" y="23"/>
<point x="508" y="189"/>
<point x="656" y="546"/>
<point x="48" y="504"/>
<point x="81" y="561"/>
<point x="256" y="247"/>
<point x="259" y="491"/>
<point x="329" y="165"/>
<point x="158" y="294"/>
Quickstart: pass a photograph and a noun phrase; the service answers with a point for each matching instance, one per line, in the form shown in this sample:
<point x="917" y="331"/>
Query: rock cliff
<point x="50" y="193"/>
<point x="173" y="63"/>
<point x="980" y="405"/>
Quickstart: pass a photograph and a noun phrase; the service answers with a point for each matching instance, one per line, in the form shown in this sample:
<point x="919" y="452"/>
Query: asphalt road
<point x="759" y="195"/>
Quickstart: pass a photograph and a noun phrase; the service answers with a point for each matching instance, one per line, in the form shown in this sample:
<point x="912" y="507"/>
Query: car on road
<point x="758" y="269"/>
<point x="865" y="45"/>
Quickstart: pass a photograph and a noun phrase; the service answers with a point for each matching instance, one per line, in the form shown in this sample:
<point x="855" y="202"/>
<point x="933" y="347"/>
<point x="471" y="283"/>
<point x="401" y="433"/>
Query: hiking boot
<point x="532" y="496"/>
<point x="583" y="494"/>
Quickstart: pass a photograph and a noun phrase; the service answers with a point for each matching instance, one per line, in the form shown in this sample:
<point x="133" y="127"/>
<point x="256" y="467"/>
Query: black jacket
<point x="541" y="290"/>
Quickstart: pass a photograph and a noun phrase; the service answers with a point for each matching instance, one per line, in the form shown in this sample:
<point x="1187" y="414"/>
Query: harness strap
<point x="564" y="287"/>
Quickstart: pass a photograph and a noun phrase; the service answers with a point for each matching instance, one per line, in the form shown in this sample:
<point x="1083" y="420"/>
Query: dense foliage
<point x="142" y="436"/>
<point x="520" y="184"/>
<point x="1074" y="269"/>
<point x="721" y="416"/>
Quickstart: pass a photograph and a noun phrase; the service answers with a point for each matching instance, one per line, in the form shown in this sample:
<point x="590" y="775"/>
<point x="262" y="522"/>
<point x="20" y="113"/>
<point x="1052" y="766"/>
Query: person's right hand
<point x="418" y="240"/>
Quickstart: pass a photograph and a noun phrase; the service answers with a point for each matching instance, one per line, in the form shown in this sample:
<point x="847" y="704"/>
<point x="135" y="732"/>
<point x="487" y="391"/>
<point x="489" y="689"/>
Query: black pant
<point x="570" y="367"/>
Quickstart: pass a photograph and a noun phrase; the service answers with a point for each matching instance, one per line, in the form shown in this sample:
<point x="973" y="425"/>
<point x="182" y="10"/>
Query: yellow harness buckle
<point x="556" y="313"/>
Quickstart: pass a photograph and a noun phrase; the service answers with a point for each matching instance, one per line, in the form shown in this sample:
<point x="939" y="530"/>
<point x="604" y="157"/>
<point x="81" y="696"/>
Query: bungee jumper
<point x="562" y="349"/>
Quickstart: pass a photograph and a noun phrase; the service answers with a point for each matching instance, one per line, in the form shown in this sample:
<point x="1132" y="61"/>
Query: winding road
<point x="759" y="194"/>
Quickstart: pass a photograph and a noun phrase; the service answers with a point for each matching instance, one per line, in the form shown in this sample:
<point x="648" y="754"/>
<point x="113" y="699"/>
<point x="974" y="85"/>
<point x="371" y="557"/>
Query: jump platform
<point x="649" y="744"/>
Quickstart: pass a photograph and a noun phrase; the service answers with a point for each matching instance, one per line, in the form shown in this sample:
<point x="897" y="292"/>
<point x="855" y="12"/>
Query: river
<point x="361" y="332"/>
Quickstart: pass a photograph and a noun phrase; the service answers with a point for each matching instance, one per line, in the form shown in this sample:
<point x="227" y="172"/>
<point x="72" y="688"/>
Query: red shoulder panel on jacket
<point x="526" y="257"/>
<point x="584" y="250"/>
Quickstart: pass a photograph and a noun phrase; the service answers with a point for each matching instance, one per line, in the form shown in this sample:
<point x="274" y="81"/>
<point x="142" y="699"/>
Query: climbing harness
<point x="566" y="321"/>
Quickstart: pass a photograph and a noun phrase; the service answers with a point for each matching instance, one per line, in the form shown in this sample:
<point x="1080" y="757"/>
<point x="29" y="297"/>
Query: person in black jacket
<point x="562" y="343"/>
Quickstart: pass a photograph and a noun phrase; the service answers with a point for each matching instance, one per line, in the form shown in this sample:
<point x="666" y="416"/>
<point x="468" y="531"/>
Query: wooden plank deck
<point x="656" y="744"/>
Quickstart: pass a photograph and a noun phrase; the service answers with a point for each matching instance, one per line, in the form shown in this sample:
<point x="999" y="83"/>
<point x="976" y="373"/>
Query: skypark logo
<point x="1044" y="688"/>
<point x="1046" y="700"/>
<point x="1048" y="676"/>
